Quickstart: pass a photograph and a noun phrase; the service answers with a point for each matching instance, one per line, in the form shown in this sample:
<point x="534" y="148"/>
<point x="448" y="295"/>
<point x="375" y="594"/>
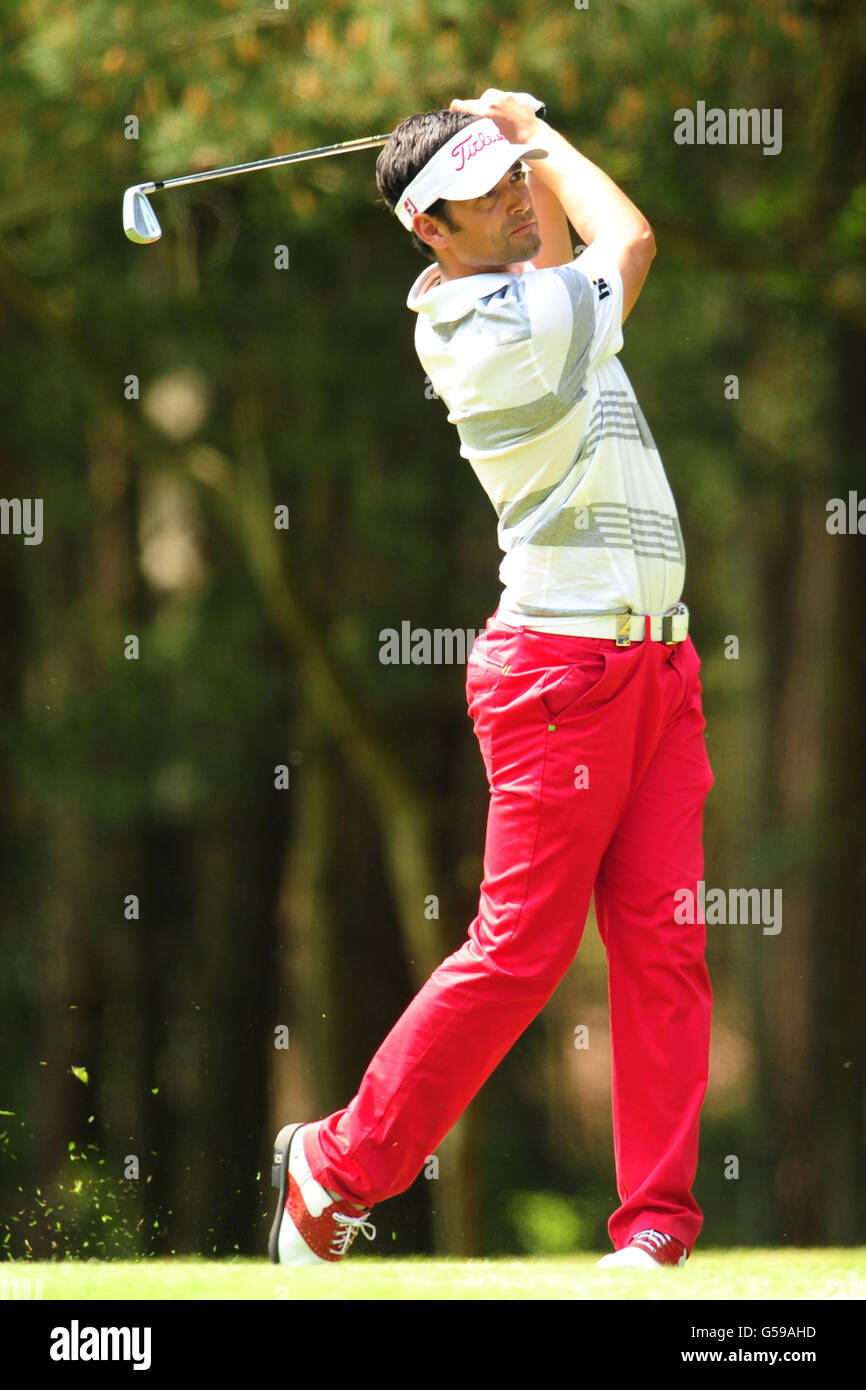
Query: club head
<point x="140" y="222"/>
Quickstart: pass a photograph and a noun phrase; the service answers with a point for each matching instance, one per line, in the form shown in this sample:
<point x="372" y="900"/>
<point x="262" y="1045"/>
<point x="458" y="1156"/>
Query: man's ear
<point x="430" y="230"/>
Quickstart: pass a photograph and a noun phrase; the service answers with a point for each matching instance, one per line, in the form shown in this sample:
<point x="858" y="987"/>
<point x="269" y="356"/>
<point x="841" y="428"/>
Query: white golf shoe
<point x="648" y="1250"/>
<point x="310" y="1226"/>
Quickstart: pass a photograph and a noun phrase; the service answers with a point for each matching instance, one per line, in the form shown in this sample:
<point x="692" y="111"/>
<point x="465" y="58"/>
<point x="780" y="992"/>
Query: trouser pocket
<point x="566" y="687"/>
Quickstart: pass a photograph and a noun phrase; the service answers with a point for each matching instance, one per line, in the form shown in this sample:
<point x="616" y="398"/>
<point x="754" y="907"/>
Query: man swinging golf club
<point x="584" y="689"/>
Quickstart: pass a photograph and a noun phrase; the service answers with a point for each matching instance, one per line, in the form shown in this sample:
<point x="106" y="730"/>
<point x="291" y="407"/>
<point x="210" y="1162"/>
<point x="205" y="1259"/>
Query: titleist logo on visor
<point x="448" y="172"/>
<point x="463" y="151"/>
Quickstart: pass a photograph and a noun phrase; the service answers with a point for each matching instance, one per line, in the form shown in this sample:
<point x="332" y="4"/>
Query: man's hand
<point x="517" y="121"/>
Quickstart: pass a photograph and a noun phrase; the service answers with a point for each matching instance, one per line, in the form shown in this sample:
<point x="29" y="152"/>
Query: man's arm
<point x="613" y="229"/>
<point x="553" y="228"/>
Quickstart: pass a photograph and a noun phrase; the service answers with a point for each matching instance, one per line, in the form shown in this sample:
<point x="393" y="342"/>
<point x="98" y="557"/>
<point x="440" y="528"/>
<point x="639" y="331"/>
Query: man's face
<point x="494" y="231"/>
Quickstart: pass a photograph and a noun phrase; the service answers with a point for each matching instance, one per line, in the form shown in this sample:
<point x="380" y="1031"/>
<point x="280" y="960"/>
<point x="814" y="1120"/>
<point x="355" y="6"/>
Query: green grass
<point x="819" y="1274"/>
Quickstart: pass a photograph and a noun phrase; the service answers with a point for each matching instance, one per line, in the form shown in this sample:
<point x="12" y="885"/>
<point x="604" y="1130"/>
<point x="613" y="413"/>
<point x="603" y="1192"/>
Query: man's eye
<point x="519" y="174"/>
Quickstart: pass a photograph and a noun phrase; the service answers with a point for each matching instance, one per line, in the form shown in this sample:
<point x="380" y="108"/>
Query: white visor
<point x="468" y="165"/>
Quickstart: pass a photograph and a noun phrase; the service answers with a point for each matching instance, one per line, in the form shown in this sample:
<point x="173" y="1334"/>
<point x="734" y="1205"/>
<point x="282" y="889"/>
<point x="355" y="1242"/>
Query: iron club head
<point x="140" y="222"/>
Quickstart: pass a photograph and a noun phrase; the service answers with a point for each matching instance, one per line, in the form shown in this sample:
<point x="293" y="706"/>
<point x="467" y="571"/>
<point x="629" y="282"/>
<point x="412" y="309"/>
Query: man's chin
<point x="525" y="247"/>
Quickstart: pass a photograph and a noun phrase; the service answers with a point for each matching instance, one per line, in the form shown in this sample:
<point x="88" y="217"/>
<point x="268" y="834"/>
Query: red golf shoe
<point x="311" y="1226"/>
<point x="648" y="1250"/>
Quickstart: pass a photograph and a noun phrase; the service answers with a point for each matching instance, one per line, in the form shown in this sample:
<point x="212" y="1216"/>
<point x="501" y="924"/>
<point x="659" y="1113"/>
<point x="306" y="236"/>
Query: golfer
<point x="583" y="689"/>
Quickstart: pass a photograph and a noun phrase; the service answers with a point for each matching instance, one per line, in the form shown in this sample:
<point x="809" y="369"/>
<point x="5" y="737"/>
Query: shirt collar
<point x="446" y="301"/>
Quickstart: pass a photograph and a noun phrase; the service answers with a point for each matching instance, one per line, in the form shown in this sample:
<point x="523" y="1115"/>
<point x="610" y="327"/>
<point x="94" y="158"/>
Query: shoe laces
<point x="656" y="1239"/>
<point x="351" y="1225"/>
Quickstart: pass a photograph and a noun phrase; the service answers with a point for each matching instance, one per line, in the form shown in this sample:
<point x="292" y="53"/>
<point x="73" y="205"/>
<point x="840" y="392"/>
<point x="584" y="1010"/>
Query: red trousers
<point x="598" y="774"/>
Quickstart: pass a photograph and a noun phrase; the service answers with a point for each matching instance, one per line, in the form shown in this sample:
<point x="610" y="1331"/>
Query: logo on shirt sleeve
<point x="603" y="288"/>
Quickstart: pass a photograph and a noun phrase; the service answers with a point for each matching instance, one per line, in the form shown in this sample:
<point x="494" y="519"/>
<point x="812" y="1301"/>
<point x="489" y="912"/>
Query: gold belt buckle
<point x="623" y="629"/>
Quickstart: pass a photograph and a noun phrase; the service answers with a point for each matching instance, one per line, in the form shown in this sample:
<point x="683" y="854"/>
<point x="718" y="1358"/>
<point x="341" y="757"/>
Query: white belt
<point x="625" y="628"/>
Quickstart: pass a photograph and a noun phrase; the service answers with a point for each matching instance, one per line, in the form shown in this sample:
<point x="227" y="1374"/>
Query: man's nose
<point x="520" y="199"/>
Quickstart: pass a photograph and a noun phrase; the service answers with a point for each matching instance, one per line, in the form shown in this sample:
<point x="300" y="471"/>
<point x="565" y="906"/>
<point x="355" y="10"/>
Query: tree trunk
<point x="404" y="821"/>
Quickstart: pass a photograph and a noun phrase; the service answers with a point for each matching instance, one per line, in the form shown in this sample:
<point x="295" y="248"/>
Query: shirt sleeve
<point x="576" y="323"/>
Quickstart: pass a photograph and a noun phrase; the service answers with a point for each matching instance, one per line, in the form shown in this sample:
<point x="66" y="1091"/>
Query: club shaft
<point x="367" y="142"/>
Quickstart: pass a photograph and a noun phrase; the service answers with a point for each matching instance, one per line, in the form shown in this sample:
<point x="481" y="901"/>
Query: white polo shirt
<point x="548" y="420"/>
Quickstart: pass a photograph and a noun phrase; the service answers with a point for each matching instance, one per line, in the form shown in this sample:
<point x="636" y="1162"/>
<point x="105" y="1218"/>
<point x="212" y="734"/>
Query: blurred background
<point x="170" y="901"/>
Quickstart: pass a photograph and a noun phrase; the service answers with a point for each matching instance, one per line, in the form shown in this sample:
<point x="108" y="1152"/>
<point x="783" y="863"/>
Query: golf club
<point x="141" y="224"/>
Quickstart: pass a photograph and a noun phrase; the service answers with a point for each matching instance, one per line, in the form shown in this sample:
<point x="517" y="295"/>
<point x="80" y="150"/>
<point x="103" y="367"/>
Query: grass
<point x="819" y="1274"/>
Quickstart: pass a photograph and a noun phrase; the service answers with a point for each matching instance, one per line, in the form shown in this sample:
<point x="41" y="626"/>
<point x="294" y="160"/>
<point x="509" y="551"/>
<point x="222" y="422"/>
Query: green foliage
<point x="546" y="1223"/>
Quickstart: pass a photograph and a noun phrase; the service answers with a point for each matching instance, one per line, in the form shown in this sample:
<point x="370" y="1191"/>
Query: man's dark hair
<point x="412" y="143"/>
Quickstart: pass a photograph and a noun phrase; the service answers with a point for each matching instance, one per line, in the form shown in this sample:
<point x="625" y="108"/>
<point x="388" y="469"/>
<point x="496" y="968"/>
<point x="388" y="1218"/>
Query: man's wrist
<point x="547" y="138"/>
<point x="538" y="133"/>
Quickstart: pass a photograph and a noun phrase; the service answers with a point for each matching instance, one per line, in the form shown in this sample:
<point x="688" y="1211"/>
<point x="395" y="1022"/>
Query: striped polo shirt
<point x="548" y="420"/>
